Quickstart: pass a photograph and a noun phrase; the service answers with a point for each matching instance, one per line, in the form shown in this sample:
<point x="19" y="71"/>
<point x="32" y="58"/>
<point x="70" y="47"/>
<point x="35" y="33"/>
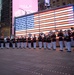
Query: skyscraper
<point x="6" y="17"/>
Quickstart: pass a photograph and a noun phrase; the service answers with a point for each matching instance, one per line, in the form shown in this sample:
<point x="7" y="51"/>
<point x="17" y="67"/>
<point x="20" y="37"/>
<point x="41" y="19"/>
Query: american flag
<point x="43" y="22"/>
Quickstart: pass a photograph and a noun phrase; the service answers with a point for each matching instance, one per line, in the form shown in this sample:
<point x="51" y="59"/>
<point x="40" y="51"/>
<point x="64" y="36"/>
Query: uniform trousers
<point x="13" y="45"/>
<point x="40" y="44"/>
<point x="49" y="45"/>
<point x="72" y="42"/>
<point x="34" y="44"/>
<point x="61" y="45"/>
<point x="22" y="45"/>
<point x="2" y="45"/>
<point x="54" y="45"/>
<point x="65" y="43"/>
<point x="18" y="44"/>
<point x="29" y="45"/>
<point x="44" y="45"/>
<point x="25" y="44"/>
<point x="7" y="45"/>
<point x="69" y="46"/>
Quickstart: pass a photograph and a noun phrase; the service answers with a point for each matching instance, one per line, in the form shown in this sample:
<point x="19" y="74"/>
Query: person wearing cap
<point x="60" y="35"/>
<point x="45" y="41"/>
<point x="40" y="41"/>
<point x="29" y="42"/>
<point x="13" y="42"/>
<point x="34" y="42"/>
<point x="53" y="37"/>
<point x="25" y="41"/>
<point x="69" y="40"/>
<point x="8" y="42"/>
<point x="18" y="42"/>
<point x="49" y="41"/>
<point x="2" y="42"/>
<point x="65" y="39"/>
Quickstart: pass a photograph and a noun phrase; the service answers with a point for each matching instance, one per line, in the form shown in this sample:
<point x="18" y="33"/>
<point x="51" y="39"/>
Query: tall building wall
<point x="6" y="16"/>
<point x="58" y="3"/>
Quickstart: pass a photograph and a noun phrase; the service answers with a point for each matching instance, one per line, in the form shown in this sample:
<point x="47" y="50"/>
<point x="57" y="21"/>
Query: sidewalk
<point x="36" y="62"/>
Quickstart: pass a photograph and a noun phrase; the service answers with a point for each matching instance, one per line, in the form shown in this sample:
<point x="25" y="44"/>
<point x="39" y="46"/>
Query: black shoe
<point x="68" y="51"/>
<point x="61" y="50"/>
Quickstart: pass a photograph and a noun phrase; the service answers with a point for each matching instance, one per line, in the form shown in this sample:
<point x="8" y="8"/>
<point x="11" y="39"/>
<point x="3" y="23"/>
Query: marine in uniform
<point x="53" y="37"/>
<point x="13" y="42"/>
<point x="60" y="35"/>
<point x="49" y="41"/>
<point x="40" y="41"/>
<point x="34" y="42"/>
<point x="2" y="42"/>
<point x="29" y="42"/>
<point x="65" y="40"/>
<point x="25" y="42"/>
<point x="45" y="41"/>
<point x="68" y="38"/>
<point x="7" y="42"/>
<point x="18" y="42"/>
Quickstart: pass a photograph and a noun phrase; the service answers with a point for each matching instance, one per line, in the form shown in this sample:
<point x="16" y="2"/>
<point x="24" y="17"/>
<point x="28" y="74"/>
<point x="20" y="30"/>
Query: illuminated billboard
<point x="23" y="7"/>
<point x="60" y="18"/>
<point x="20" y="7"/>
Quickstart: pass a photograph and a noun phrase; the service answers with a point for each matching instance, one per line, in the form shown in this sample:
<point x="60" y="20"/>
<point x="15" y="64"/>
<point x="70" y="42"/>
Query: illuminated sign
<point x="62" y="18"/>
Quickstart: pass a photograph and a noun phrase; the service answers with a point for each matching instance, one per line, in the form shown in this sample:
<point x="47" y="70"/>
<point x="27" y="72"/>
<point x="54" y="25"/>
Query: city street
<point x="36" y="62"/>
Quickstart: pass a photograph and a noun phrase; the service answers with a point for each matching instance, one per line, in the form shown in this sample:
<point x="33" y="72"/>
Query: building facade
<point x="48" y="4"/>
<point x="59" y="3"/>
<point x="6" y="17"/>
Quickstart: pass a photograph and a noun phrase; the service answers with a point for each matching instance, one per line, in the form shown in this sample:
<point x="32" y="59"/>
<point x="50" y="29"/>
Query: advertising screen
<point x="23" y="7"/>
<point x="43" y="22"/>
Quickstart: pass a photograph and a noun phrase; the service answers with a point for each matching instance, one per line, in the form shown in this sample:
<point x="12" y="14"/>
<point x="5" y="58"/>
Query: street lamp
<point x="25" y="12"/>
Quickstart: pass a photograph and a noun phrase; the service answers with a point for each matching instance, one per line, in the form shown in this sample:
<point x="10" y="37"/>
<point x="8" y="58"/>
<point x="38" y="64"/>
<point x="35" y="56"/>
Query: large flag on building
<point x="43" y="22"/>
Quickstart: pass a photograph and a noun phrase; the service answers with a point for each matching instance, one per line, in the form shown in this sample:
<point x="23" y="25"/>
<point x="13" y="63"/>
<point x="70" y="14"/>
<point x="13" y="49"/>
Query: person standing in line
<point x="69" y="41"/>
<point x="29" y="42"/>
<point x="13" y="42"/>
<point x="34" y="42"/>
<point x="25" y="42"/>
<point x="60" y="35"/>
<point x="21" y="42"/>
<point x="65" y="40"/>
<point x="8" y="42"/>
<point x="73" y="36"/>
<point x="53" y="37"/>
<point x="2" y="42"/>
<point x="18" y="42"/>
<point x="45" y="41"/>
<point x="40" y="41"/>
<point x="49" y="41"/>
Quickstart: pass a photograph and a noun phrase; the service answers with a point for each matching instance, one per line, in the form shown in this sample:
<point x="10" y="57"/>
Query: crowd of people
<point x="47" y="41"/>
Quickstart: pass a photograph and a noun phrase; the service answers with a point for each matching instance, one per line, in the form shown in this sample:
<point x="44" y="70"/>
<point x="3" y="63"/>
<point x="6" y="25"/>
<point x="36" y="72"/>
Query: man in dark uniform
<point x="53" y="37"/>
<point x="25" y="42"/>
<point x="60" y="35"/>
<point x="29" y="42"/>
<point x="65" y="40"/>
<point x="49" y="41"/>
<point x="73" y="36"/>
<point x="2" y="42"/>
<point x="40" y="41"/>
<point x="44" y="41"/>
<point x="68" y="38"/>
<point x="13" y="42"/>
<point x="34" y="41"/>
<point x="8" y="42"/>
<point x="18" y="42"/>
